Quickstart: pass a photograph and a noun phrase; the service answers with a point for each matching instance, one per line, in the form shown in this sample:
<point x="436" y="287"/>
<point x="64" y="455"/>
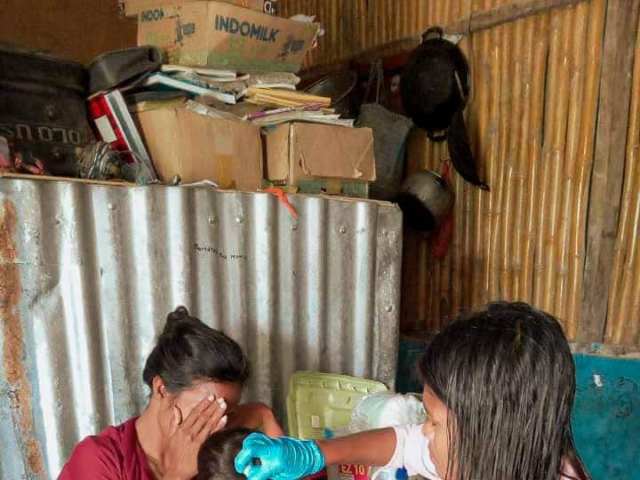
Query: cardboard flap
<point x="150" y="124"/>
<point x="248" y="149"/>
<point x="333" y="151"/>
<point x="277" y="149"/>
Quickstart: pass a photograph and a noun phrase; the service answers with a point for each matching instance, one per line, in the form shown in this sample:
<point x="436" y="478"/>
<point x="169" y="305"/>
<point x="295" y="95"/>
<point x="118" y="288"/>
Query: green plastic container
<point x="320" y="400"/>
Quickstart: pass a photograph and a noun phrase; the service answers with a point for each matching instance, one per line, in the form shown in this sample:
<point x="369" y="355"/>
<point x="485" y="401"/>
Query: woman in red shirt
<point x="195" y="375"/>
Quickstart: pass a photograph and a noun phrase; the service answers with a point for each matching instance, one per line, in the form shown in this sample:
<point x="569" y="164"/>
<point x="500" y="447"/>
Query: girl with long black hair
<point x="499" y="387"/>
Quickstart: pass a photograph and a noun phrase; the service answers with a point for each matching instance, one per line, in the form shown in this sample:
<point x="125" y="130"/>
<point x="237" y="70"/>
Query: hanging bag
<point x="390" y="132"/>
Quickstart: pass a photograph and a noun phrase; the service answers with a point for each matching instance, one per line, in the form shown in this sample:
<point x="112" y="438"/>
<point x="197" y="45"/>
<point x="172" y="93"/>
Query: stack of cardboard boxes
<point x="238" y="35"/>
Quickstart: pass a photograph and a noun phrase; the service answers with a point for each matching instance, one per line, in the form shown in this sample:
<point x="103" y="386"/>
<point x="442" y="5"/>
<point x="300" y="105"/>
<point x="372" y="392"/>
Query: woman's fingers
<point x="197" y="412"/>
<point x="215" y="423"/>
<point x="215" y="410"/>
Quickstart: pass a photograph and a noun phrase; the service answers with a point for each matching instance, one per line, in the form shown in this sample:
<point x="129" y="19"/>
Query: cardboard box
<point x="197" y="147"/>
<point x="301" y="154"/>
<point x="218" y="35"/>
<point x="132" y="8"/>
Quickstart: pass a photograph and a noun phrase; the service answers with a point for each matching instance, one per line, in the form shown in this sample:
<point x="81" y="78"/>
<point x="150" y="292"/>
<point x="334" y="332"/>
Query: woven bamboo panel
<point x="352" y="26"/>
<point x="547" y="119"/>
<point x="532" y="121"/>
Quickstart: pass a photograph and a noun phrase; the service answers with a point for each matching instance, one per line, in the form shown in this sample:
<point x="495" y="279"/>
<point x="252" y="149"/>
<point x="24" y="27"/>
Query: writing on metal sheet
<point x="208" y="248"/>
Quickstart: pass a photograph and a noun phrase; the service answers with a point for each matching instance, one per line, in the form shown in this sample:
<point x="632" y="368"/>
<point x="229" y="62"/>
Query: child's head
<point x="216" y="459"/>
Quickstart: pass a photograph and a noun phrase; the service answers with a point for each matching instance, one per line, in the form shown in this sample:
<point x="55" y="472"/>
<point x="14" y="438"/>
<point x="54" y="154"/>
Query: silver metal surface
<point x="88" y="274"/>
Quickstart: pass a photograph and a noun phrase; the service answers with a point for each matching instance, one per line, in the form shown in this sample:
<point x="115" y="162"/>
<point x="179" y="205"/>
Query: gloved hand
<point x="282" y="458"/>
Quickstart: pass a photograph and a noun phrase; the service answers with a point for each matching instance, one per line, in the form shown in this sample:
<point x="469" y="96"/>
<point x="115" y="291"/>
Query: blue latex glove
<point x="282" y="458"/>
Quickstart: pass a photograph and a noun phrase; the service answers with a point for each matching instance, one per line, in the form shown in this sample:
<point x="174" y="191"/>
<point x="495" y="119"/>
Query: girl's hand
<point x="282" y="458"/>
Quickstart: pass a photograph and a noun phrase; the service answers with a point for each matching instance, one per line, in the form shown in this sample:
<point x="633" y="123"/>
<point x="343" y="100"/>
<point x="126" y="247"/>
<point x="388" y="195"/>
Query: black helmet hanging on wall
<point x="435" y="89"/>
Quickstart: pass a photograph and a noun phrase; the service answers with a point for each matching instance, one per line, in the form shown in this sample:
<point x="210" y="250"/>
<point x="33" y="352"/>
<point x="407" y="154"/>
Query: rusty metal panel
<point x="89" y="272"/>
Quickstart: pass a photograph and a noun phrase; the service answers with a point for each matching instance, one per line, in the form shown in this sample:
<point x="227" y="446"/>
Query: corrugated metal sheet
<point x="88" y="274"/>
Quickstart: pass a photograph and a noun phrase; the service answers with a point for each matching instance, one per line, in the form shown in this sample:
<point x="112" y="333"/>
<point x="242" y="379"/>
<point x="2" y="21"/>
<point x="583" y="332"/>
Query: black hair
<point x="216" y="458"/>
<point x="507" y="375"/>
<point x="188" y="350"/>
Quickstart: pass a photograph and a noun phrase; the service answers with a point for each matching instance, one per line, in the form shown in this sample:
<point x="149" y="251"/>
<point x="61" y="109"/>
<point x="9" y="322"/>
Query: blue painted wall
<point x="606" y="415"/>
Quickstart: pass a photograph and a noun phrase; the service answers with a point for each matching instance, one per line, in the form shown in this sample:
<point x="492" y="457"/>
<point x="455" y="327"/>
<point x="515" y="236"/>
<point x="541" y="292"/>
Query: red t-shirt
<point x="115" y="454"/>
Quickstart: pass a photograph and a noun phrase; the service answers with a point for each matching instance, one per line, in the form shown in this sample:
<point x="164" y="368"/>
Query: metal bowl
<point x="338" y="87"/>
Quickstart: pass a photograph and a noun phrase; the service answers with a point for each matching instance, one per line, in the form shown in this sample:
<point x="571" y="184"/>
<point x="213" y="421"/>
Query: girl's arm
<point x="375" y="448"/>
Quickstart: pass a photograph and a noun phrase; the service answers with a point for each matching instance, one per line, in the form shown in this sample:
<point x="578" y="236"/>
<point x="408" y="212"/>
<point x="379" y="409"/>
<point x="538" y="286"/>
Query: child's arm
<point x="256" y="416"/>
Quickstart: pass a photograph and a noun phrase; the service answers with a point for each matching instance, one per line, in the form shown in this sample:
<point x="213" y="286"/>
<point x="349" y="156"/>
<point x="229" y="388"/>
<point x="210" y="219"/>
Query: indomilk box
<point x="223" y="36"/>
<point x="134" y="7"/>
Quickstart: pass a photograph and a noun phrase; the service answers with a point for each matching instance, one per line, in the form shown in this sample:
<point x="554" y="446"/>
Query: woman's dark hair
<point x="507" y="375"/>
<point x="188" y="351"/>
<point x="216" y="458"/>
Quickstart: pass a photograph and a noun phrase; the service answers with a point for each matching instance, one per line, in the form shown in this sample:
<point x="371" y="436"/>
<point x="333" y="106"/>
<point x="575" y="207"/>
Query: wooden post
<point x="608" y="165"/>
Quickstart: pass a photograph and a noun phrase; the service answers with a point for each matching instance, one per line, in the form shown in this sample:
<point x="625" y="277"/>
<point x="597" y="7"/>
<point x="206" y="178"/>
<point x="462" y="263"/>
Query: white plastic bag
<point x="387" y="409"/>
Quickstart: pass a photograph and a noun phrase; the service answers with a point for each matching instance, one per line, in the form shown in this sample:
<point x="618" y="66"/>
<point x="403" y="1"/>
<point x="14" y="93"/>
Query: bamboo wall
<point x="355" y="25"/>
<point x="555" y="122"/>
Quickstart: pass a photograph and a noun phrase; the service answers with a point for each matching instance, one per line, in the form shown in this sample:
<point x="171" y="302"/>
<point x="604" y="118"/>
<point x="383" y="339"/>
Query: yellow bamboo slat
<point x="511" y="221"/>
<point x="550" y="120"/>
<point x="434" y="273"/>
<point x="422" y="15"/>
<point x="534" y="183"/>
<point x="466" y="281"/>
<point x="438" y="12"/>
<point x="397" y="12"/>
<point x="384" y="19"/>
<point x="445" y="290"/>
<point x="487" y="78"/>
<point x="502" y="246"/>
<point x="576" y="88"/>
<point x="429" y="15"/>
<point x="477" y="6"/>
<point x="555" y="138"/>
<point x="520" y="169"/>
<point x="456" y="249"/>
<point x="490" y="82"/>
<point x="406" y="20"/>
<point x="584" y="160"/>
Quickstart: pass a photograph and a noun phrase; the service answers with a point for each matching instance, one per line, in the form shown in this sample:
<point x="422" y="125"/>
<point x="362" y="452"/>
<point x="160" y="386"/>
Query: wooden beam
<point x="608" y="165"/>
<point x="513" y="11"/>
<point x="478" y="21"/>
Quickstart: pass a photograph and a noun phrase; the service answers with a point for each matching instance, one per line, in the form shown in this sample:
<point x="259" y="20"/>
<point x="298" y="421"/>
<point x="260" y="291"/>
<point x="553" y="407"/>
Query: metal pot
<point x="425" y="199"/>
